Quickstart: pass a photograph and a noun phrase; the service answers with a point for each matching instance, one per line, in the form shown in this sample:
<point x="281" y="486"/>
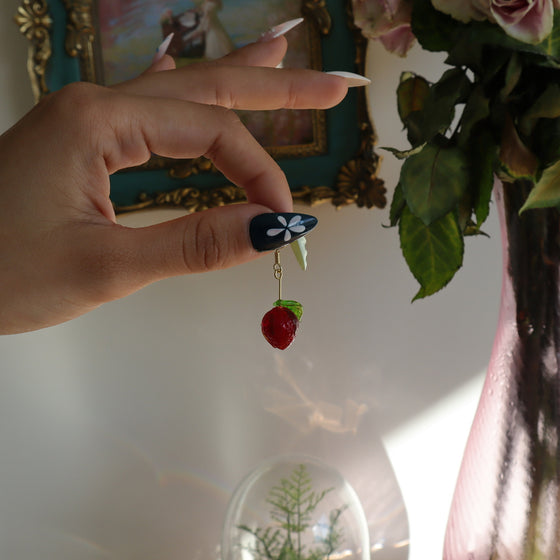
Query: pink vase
<point x="506" y="503"/>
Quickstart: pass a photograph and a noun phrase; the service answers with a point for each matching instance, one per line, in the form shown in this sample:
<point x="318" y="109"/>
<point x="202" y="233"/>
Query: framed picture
<point x="326" y="155"/>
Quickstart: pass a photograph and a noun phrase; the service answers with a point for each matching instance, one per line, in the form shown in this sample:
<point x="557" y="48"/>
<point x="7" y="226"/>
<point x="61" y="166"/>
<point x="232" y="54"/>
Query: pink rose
<point x="387" y="21"/>
<point x="529" y="21"/>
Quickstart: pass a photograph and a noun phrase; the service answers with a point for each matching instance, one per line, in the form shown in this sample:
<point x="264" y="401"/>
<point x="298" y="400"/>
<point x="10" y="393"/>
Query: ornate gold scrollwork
<point x="189" y="167"/>
<point x="34" y="22"/>
<point x="80" y="36"/>
<point x="357" y="184"/>
<point x="190" y="198"/>
<point x="317" y="11"/>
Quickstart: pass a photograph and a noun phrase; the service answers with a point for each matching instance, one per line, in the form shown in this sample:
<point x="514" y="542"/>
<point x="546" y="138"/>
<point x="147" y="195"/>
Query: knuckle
<point x="80" y="106"/>
<point x="230" y="126"/>
<point x="291" y="96"/>
<point x="203" y="249"/>
<point x="76" y="98"/>
<point x="101" y="117"/>
<point x="224" y="97"/>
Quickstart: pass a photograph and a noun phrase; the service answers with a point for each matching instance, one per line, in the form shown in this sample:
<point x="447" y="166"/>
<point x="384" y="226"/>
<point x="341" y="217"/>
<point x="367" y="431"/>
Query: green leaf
<point x="453" y="85"/>
<point x="551" y="45"/>
<point x="476" y="110"/>
<point x="434" y="30"/>
<point x="433" y="253"/>
<point x="427" y="111"/>
<point x="513" y="73"/>
<point x="412" y="93"/>
<point x="546" y="193"/>
<point x="397" y="205"/>
<point x="546" y="140"/>
<point x="463" y="53"/>
<point x="487" y="63"/>
<point x="294" y="306"/>
<point x="485" y="48"/>
<point x="464" y="212"/>
<point x="546" y="106"/>
<point x="516" y="159"/>
<point x="492" y="35"/>
<point x="299" y="247"/>
<point x="482" y="155"/>
<point x="439" y="110"/>
<point x="433" y="181"/>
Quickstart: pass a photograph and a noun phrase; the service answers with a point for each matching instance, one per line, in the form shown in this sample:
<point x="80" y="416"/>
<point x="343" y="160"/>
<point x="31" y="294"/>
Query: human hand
<point x="62" y="252"/>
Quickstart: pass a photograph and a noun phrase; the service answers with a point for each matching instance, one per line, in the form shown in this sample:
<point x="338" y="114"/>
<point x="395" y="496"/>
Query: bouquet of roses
<point x="495" y="113"/>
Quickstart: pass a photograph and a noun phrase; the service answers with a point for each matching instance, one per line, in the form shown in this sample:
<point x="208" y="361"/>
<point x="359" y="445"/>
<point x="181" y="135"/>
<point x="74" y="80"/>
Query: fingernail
<point x="162" y="49"/>
<point x="279" y="30"/>
<point x="271" y="231"/>
<point x="353" y="80"/>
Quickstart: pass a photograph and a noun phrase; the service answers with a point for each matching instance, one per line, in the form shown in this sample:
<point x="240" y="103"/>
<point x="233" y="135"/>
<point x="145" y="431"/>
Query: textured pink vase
<point x="507" y="498"/>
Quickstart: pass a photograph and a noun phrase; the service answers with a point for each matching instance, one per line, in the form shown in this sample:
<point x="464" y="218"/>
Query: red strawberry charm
<point x="279" y="325"/>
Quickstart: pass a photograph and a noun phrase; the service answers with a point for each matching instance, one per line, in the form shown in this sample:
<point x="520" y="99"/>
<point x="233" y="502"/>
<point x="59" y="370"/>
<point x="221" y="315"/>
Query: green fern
<point x="293" y="502"/>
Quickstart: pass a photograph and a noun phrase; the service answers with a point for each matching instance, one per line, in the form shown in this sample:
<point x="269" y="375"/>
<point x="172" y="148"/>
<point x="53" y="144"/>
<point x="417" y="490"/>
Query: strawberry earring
<point x="280" y="324"/>
<point x="272" y="231"/>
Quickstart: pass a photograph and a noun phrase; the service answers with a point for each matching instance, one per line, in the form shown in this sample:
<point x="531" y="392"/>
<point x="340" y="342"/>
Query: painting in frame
<point x="326" y="155"/>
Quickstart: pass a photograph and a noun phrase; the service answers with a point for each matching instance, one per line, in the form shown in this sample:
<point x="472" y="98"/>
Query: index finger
<point x="267" y="53"/>
<point x="140" y="126"/>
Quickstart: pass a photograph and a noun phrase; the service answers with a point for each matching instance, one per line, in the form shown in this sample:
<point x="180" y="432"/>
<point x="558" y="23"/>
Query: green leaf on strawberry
<point x="294" y="306"/>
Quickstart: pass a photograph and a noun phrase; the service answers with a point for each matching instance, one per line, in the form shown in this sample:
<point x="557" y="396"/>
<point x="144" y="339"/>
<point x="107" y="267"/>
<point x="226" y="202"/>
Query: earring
<point x="279" y="325"/>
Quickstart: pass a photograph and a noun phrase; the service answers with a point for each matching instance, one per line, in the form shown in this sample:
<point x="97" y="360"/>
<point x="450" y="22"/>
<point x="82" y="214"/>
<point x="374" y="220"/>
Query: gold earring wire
<point x="278" y="272"/>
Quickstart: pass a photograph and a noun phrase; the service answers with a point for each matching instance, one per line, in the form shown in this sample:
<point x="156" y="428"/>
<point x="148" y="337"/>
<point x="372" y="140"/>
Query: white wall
<point x="113" y="426"/>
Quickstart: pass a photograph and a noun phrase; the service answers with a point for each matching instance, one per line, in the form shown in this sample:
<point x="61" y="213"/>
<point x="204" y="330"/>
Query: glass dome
<point x="295" y="508"/>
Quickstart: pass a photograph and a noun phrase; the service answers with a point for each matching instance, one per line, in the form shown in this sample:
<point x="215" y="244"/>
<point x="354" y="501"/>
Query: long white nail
<point x="279" y="30"/>
<point x="162" y="49"/>
<point x="353" y="80"/>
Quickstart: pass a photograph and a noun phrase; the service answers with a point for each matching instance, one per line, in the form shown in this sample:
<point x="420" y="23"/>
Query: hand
<point x="62" y="252"/>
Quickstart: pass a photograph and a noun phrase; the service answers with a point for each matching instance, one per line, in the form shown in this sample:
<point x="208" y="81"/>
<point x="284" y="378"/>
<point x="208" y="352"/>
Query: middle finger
<point x="242" y="87"/>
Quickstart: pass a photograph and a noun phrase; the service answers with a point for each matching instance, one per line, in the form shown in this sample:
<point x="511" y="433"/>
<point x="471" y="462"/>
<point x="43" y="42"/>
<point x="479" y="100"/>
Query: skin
<point x="62" y="252"/>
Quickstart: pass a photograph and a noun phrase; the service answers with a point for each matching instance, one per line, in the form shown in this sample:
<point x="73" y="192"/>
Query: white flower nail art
<point x="294" y="226"/>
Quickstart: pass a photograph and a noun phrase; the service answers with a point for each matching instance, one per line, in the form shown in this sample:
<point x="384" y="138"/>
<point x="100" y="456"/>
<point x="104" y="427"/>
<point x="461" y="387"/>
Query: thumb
<point x="200" y="242"/>
<point x="204" y="241"/>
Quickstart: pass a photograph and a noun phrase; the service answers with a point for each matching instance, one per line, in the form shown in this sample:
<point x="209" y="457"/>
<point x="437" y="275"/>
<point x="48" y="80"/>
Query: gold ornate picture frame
<point x="330" y="157"/>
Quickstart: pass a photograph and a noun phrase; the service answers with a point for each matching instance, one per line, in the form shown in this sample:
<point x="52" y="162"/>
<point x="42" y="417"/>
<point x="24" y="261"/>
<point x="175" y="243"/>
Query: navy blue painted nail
<point x="272" y="231"/>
